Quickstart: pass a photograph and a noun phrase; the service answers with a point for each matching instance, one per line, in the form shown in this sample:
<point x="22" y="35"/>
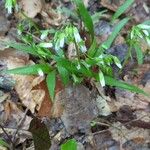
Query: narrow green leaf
<point x="122" y="9"/>
<point x="86" y="18"/>
<point x="92" y="49"/>
<point x="117" y="62"/>
<point x="31" y="69"/>
<point x="107" y="44"/>
<point x="45" y="45"/>
<point x="139" y="53"/>
<point x="22" y="47"/>
<point x="115" y="32"/>
<point x="64" y="74"/>
<point x="101" y="79"/>
<point x="97" y="16"/>
<point x="69" y="145"/>
<point x="3" y="143"/>
<point x="122" y="85"/>
<point x="147" y="22"/>
<point x="51" y="83"/>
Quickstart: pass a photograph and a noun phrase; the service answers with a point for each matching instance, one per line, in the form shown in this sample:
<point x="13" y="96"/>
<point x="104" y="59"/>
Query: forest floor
<point x="29" y="120"/>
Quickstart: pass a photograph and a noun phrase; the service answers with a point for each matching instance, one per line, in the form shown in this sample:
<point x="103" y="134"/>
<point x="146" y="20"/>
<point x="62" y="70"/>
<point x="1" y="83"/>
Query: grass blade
<point x="92" y="49"/>
<point x="101" y="79"/>
<point x="64" y="74"/>
<point x="86" y="18"/>
<point x="22" y="47"/>
<point x="51" y="83"/>
<point x="125" y="86"/>
<point x="107" y="44"/>
<point x="122" y="9"/>
<point x="3" y="143"/>
<point x="31" y="69"/>
<point x="139" y="53"/>
<point x="115" y="32"/>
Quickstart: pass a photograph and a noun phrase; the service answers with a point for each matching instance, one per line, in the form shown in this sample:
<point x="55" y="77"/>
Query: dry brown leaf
<point x="128" y="98"/>
<point x="32" y="7"/>
<point x="46" y="105"/>
<point x="112" y="5"/>
<point x="24" y="85"/>
<point x="122" y="134"/>
<point x="52" y="17"/>
<point x="13" y="115"/>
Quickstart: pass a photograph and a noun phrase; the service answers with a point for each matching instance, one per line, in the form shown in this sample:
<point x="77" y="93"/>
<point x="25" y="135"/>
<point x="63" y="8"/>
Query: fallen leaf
<point x="32" y="7"/>
<point x="122" y="134"/>
<point x="40" y="135"/>
<point x="32" y="99"/>
<point x="76" y="111"/>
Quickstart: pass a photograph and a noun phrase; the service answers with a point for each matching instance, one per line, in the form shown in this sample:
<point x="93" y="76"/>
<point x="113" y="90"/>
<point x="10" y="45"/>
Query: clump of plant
<point x="10" y="4"/>
<point x="88" y="61"/>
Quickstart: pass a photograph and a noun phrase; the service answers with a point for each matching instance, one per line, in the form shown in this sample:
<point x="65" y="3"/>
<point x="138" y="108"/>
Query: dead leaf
<point x="103" y="107"/>
<point x="128" y="98"/>
<point x="122" y="134"/>
<point x="112" y="5"/>
<point x="32" y="7"/>
<point x="77" y="112"/>
<point x="46" y="105"/>
<point x="40" y="135"/>
<point x="32" y="99"/>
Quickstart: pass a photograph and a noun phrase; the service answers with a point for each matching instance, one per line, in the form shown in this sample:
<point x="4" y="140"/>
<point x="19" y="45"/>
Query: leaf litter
<point x="123" y="121"/>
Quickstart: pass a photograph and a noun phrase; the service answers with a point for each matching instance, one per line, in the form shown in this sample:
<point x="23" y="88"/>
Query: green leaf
<point x="10" y="4"/>
<point x="139" y="53"/>
<point x="3" y="143"/>
<point x="107" y="44"/>
<point x="115" y="32"/>
<point x="31" y="69"/>
<point x="51" y="83"/>
<point x="45" y="45"/>
<point x="147" y="22"/>
<point x="64" y="74"/>
<point x="122" y="9"/>
<point x="69" y="145"/>
<point x="76" y="79"/>
<point x="122" y="85"/>
<point x="22" y="47"/>
<point x="117" y="62"/>
<point x="97" y="16"/>
<point x="86" y="18"/>
<point x="101" y="79"/>
<point x="92" y="49"/>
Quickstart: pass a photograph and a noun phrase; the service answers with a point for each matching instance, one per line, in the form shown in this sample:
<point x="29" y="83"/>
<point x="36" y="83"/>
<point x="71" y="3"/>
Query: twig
<point x="20" y="124"/>
<point x="9" y="138"/>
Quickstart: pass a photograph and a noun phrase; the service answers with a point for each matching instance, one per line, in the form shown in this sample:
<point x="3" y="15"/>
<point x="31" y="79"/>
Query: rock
<point x="103" y="27"/>
<point x="137" y="144"/>
<point x="4" y="25"/>
<point x="54" y="125"/>
<point x="94" y="6"/>
<point x="6" y="81"/>
<point x="145" y="78"/>
<point x="79" y="108"/>
<point x="102" y="141"/>
<point x="119" y="51"/>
